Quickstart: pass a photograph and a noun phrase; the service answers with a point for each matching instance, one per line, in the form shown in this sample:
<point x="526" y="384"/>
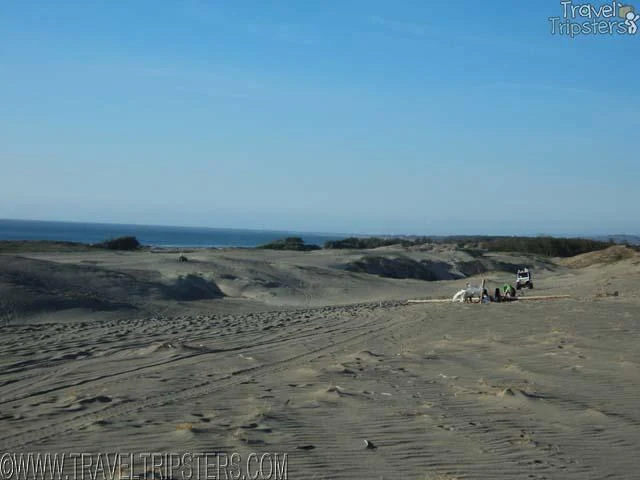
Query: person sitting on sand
<point x="485" y="296"/>
<point x="497" y="297"/>
<point x="509" y="291"/>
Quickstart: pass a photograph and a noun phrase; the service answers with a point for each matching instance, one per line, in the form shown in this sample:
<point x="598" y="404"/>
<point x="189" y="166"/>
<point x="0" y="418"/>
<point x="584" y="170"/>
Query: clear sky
<point x="341" y="116"/>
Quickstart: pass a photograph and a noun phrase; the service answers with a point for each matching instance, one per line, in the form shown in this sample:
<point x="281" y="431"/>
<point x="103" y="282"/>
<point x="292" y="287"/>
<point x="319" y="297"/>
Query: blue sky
<point x="348" y="116"/>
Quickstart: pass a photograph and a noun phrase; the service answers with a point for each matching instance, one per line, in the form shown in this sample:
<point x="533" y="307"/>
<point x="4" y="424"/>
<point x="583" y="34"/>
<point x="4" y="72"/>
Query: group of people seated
<point x="508" y="293"/>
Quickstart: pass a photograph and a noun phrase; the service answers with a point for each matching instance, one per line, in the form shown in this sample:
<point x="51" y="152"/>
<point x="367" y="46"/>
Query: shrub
<point x="360" y="243"/>
<point x="474" y="245"/>
<point x="19" y="246"/>
<point x="290" y="243"/>
<point x="545" y="245"/>
<point x="120" y="243"/>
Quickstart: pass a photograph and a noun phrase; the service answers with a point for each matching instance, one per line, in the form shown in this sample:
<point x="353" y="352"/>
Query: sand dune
<point x="330" y="359"/>
<point x="40" y="284"/>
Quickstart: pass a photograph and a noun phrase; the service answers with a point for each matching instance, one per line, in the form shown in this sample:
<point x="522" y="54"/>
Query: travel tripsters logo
<point x="592" y="19"/>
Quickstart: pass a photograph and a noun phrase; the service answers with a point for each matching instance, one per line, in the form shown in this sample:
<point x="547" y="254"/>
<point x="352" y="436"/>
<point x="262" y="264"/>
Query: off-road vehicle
<point x="523" y="279"/>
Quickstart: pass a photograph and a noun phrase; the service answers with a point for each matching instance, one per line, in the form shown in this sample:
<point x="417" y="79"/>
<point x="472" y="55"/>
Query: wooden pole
<point x="535" y="297"/>
<point x="544" y="297"/>
<point x="431" y="300"/>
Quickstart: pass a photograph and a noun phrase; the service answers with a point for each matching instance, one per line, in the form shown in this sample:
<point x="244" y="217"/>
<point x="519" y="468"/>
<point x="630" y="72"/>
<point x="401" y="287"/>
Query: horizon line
<point x="271" y="230"/>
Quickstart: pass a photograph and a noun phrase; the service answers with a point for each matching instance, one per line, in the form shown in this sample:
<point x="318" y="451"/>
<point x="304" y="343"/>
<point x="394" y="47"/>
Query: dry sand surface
<point x="287" y="352"/>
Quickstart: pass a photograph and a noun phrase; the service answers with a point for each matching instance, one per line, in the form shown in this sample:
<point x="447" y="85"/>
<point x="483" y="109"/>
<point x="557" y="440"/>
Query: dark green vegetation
<point x="375" y="242"/>
<point x="120" y="243"/>
<point x="542" y="245"/>
<point x="546" y="246"/>
<point x="23" y="246"/>
<point x="290" y="243"/>
<point x="473" y="245"/>
<point x="45" y="246"/>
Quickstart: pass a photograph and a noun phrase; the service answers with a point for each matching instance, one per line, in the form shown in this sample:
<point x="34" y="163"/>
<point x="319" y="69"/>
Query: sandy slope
<point x="521" y="390"/>
<point x="134" y="284"/>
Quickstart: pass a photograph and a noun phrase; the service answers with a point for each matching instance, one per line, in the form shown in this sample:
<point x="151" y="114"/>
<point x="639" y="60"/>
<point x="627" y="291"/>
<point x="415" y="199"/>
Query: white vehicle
<point x="523" y="279"/>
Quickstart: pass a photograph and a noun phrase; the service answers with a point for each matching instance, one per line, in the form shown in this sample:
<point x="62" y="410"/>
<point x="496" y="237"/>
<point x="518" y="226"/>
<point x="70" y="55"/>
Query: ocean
<point x="155" y="236"/>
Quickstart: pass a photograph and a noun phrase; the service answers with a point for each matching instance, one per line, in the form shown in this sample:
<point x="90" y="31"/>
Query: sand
<point x="319" y="360"/>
